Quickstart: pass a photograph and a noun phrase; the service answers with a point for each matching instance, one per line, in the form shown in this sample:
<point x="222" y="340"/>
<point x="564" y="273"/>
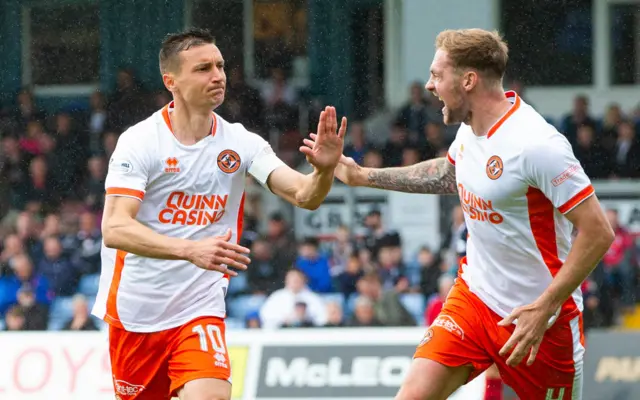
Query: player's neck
<point x="190" y="125"/>
<point x="487" y="110"/>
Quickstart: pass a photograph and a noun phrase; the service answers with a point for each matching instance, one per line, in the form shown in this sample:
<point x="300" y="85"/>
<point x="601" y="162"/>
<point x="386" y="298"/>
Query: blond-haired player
<point x="172" y="217"/>
<point x="521" y="189"/>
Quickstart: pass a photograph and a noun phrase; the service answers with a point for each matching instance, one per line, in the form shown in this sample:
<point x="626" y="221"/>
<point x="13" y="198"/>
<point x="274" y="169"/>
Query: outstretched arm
<point x="436" y="176"/>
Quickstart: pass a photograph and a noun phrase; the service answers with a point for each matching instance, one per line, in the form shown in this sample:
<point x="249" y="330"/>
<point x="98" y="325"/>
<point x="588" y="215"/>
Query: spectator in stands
<point x="391" y="269"/>
<point x="27" y="231"/>
<point x="14" y="319"/>
<point x="364" y="314"/>
<point x="97" y="122"/>
<point x="386" y="303"/>
<point x="595" y="162"/>
<point x="433" y="140"/>
<point x="36" y="315"/>
<point x="609" y="132"/>
<point x="263" y="276"/>
<point x="430" y="271"/>
<point x="579" y="116"/>
<point x="70" y="156"/>
<point x="89" y="239"/>
<point x="94" y="186"/>
<point x="413" y="116"/>
<point x="436" y="301"/>
<point x="348" y="279"/>
<point x="277" y="91"/>
<point x="620" y="262"/>
<point x="26" y="109"/>
<point x="58" y="269"/>
<point x="14" y="171"/>
<point x="12" y="246"/>
<point x="377" y="236"/>
<point x="315" y="266"/>
<point x="109" y="141"/>
<point x="81" y="320"/>
<point x="30" y="141"/>
<point x="592" y="315"/>
<point x="335" y="316"/>
<point x="373" y="159"/>
<point x="398" y="141"/>
<point x="41" y="186"/>
<point x="341" y="249"/>
<point x="627" y="152"/>
<point x="410" y="156"/>
<point x="23" y="274"/>
<point x="252" y="320"/>
<point x="128" y="104"/>
<point x="300" y="317"/>
<point x="281" y="241"/>
<point x="280" y="306"/>
<point x="358" y="145"/>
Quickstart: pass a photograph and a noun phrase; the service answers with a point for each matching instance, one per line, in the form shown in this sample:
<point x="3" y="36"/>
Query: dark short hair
<point x="174" y="43"/>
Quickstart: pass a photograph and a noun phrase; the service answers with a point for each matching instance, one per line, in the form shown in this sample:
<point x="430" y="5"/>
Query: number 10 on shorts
<point x="215" y="337"/>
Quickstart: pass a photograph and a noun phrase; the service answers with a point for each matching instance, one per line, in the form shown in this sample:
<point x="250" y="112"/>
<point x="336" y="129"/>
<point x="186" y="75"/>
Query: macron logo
<point x="568" y="173"/>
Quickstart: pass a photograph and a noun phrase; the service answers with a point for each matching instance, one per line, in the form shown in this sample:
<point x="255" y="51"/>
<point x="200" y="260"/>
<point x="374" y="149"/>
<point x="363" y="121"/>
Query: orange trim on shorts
<point x="112" y="316"/>
<point x="167" y="120"/>
<point x="577" y="199"/>
<point x="118" y="191"/>
<point x="450" y="159"/>
<point x="514" y="107"/>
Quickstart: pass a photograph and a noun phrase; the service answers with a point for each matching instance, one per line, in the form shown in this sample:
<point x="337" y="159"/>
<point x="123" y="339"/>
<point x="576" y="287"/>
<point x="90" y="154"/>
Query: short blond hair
<point x="478" y="49"/>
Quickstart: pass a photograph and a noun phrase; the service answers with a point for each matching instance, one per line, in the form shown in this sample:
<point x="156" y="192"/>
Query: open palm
<point x="347" y="170"/>
<point x="325" y="152"/>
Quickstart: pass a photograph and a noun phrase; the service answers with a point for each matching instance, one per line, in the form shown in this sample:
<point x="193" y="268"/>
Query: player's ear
<point x="169" y="81"/>
<point x="469" y="80"/>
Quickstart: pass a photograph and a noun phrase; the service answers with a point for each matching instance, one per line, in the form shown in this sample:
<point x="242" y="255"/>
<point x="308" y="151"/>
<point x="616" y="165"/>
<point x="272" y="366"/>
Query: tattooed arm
<point x="436" y="176"/>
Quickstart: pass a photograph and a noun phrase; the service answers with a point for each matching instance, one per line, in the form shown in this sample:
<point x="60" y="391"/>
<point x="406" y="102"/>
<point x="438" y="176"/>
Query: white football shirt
<point x="189" y="192"/>
<point x="515" y="184"/>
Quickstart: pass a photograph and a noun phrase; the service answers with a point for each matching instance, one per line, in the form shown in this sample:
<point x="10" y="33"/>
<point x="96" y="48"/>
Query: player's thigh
<point x="199" y="365"/>
<point x="453" y="349"/>
<point x="557" y="373"/>
<point x="205" y="389"/>
<point x="139" y="365"/>
<point x="430" y="380"/>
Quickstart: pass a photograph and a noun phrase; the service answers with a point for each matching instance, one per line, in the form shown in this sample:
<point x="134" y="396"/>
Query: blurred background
<point x="74" y="74"/>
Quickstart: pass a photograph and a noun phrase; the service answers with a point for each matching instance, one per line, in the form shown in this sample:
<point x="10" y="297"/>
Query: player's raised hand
<point x="348" y="171"/>
<point x="532" y="322"/>
<point x="218" y="254"/>
<point x="326" y="151"/>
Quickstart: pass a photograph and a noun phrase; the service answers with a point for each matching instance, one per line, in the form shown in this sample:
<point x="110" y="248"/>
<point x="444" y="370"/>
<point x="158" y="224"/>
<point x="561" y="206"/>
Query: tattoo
<point x="435" y="176"/>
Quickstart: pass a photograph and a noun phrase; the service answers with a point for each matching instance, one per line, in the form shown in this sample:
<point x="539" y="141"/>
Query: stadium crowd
<point x="52" y="173"/>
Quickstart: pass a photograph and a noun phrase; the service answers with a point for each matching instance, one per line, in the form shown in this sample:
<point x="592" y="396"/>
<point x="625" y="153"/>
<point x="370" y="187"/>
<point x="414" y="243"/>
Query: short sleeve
<point x="129" y="167"/>
<point x="263" y="160"/>
<point x="552" y="168"/>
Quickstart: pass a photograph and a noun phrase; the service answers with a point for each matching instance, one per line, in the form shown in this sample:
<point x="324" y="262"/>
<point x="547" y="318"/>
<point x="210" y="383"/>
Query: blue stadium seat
<point x="333" y="298"/>
<point x="88" y="285"/>
<point x="237" y="284"/>
<point x="60" y="313"/>
<point x="242" y="305"/>
<point x="414" y="303"/>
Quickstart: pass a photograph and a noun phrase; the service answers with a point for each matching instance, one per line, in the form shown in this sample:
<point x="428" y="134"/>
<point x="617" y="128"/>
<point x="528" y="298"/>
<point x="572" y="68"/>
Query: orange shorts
<point x="155" y="365"/>
<point x="466" y="333"/>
